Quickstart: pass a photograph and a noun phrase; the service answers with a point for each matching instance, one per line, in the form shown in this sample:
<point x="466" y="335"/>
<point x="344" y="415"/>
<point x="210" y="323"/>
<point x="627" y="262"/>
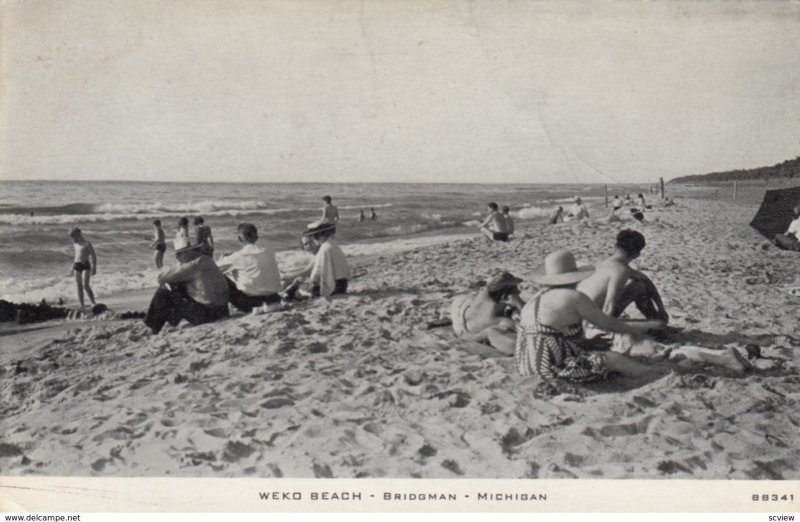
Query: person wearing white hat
<point x="550" y="330"/>
<point x="329" y="273"/>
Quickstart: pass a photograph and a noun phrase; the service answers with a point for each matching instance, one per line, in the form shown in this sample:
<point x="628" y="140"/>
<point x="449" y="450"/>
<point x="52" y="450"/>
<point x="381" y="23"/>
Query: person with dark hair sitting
<point x="194" y="290"/>
<point x="487" y="316"/>
<point x="614" y="284"/>
<point x="494" y="227"/>
<point x="252" y="272"/>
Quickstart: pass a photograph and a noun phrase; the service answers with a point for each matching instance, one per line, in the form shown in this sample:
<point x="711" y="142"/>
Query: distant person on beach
<point x="627" y="201"/>
<point x="641" y="201"/>
<point x="791" y="239"/>
<point x="508" y="219"/>
<point x="329" y="272"/>
<point x="195" y="290"/>
<point x="203" y="237"/>
<point x="494" y="226"/>
<point x="252" y="272"/>
<point x="330" y="214"/>
<point x="84" y="265"/>
<point x="614" y="284"/>
<point x="669" y="202"/>
<point x="182" y="234"/>
<point x="557" y="216"/>
<point x="372" y="215"/>
<point x="361" y="216"/>
<point x="577" y="211"/>
<point x="158" y="244"/>
<point x="487" y="315"/>
<point x="616" y="204"/>
<point x="550" y="333"/>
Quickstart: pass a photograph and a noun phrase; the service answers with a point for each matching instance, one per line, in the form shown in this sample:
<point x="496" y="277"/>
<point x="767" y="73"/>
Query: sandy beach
<point x="357" y="386"/>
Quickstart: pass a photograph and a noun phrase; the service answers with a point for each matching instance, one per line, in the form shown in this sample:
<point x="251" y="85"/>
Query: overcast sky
<point x="415" y="91"/>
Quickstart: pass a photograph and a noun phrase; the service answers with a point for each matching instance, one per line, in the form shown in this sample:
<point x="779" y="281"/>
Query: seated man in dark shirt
<point x="197" y="291"/>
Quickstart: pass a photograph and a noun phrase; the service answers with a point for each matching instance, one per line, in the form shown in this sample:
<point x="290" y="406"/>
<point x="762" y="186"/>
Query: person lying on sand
<point x="252" y="272"/>
<point x="84" y="265"/>
<point x="550" y="331"/>
<point x="195" y="290"/>
<point x="614" y="284"/>
<point x="486" y="316"/>
<point x="494" y="226"/>
<point x="791" y="239"/>
<point x="329" y="273"/>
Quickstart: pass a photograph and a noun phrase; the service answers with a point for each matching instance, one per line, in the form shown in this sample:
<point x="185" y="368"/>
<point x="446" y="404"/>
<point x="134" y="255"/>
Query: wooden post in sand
<point x="606" y="189"/>
<point x="734" y="190"/>
<point x="661" y="186"/>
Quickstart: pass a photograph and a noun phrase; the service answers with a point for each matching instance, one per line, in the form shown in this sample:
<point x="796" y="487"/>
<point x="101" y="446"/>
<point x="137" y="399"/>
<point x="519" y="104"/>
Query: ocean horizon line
<point x="472" y="183"/>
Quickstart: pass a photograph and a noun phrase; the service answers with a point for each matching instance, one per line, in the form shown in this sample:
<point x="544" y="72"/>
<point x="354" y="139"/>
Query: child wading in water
<point x="85" y="265"/>
<point x="158" y="243"/>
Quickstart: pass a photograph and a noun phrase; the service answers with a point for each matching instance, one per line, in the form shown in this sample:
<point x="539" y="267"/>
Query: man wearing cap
<point x="486" y="316"/>
<point x="614" y="284"/>
<point x="195" y="290"/>
<point x="252" y="272"/>
<point x="791" y="239"/>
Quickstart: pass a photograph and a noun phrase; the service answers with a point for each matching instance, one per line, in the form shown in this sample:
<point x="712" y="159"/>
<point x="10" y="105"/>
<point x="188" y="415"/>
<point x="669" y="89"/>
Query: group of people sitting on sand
<point x="546" y="333"/>
<point x="498" y="224"/>
<point x="577" y="211"/>
<point x="198" y="289"/>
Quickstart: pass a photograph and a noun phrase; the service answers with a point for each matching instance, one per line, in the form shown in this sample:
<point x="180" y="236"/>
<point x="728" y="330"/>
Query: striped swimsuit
<point x="554" y="353"/>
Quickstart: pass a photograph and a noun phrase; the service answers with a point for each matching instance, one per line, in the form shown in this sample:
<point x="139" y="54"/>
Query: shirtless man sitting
<point x="484" y="317"/>
<point x="494" y="227"/>
<point x="614" y="284"/>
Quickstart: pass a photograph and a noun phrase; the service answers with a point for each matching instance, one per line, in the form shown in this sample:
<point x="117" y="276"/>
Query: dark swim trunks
<point x="500" y="236"/>
<point x="81" y="266"/>
<point x="161" y="247"/>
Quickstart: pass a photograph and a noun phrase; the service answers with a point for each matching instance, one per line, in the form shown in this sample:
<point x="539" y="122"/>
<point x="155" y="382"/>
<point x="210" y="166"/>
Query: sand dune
<point x="356" y="386"/>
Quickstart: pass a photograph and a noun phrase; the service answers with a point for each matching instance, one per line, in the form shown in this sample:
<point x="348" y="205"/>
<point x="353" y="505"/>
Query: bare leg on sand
<point x="728" y="358"/>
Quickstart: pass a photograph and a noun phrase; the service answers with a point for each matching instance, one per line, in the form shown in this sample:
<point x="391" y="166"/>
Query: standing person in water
<point x="361" y="216"/>
<point x="182" y="234"/>
<point x="203" y="237"/>
<point x="158" y="244"/>
<point x="84" y="266"/>
<point x="372" y="215"/>
<point x="330" y="214"/>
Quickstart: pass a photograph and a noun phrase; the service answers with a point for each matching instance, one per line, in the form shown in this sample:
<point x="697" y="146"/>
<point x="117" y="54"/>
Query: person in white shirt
<point x="791" y="239"/>
<point x="329" y="273"/>
<point x="252" y="272"/>
<point x="577" y="211"/>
